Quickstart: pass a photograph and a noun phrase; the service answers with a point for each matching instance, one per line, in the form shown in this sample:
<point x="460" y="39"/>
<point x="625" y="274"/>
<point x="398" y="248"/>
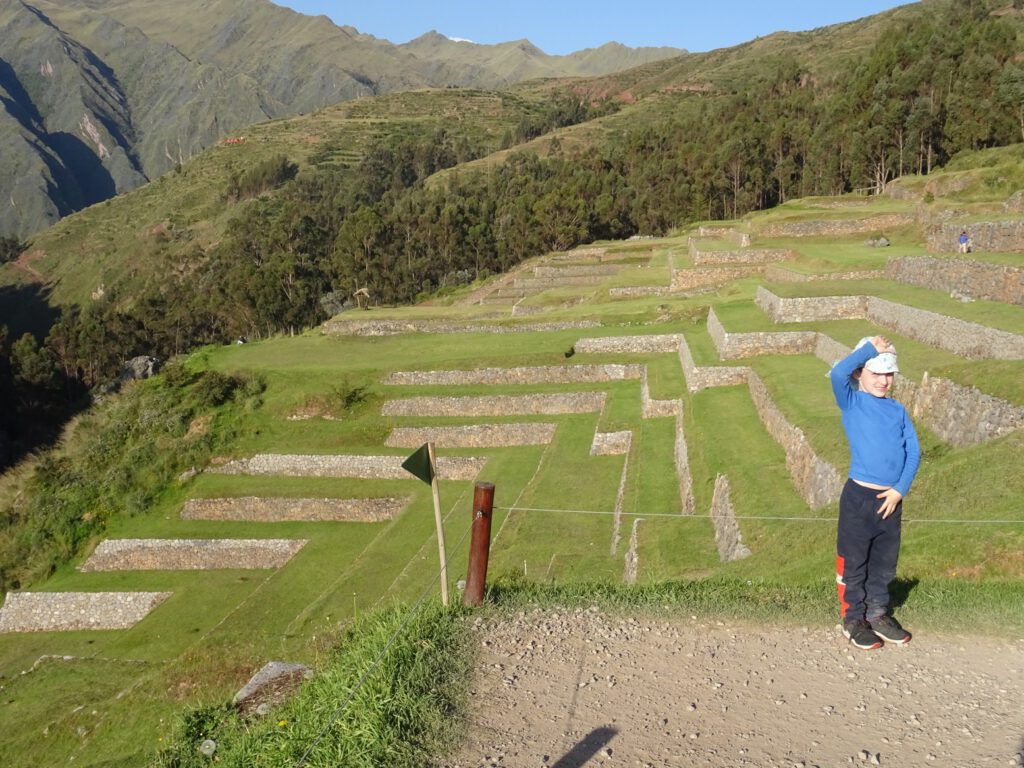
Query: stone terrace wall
<point x="743" y="256"/>
<point x="473" y="435"/>
<point x="543" y="283"/>
<point x="191" y="554"/>
<point x="970" y="340"/>
<point x="583" y="254"/>
<point x="742" y="239"/>
<point x="830" y="227"/>
<point x="540" y="374"/>
<point x="965" y="277"/>
<point x="777" y="274"/>
<point x="651" y="408"/>
<point x="273" y="510"/>
<point x="640" y="345"/>
<point x="497" y="405"/>
<point x="702" y="377"/>
<point x="353" y="327"/>
<point x="696" y="277"/>
<point x="638" y="291"/>
<point x="830" y="350"/>
<point x="733" y="346"/>
<point x="810" y="309"/>
<point x="816" y="480"/>
<point x="961" y="416"/>
<point x="363" y="467"/>
<point x="727" y="530"/>
<point x="994" y="236"/>
<point x="597" y="270"/>
<point x="682" y="460"/>
<point x="611" y="443"/>
<point x="70" y="611"/>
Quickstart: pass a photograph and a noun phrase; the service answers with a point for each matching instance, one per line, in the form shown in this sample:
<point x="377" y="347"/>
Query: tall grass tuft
<point x="366" y="707"/>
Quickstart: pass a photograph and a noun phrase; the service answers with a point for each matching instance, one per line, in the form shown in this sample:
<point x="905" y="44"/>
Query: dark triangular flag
<point x="419" y="464"/>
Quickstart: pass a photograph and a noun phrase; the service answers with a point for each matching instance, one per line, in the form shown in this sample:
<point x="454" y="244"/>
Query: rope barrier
<point x="429" y="588"/>
<point x="679" y="516"/>
<point x="376" y="662"/>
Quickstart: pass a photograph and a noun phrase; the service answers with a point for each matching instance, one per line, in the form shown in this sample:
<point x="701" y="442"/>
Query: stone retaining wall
<point x="703" y="377"/>
<point x="588" y="253"/>
<point x="961" y="416"/>
<point x="473" y="435"/>
<point x="880" y="223"/>
<point x="742" y="256"/>
<point x="963" y="277"/>
<point x="689" y="278"/>
<point x="727" y="530"/>
<point x="970" y="340"/>
<point x="830" y="350"/>
<point x="995" y="236"/>
<point x="71" y="611"/>
<point x="651" y="408"/>
<point x="353" y="327"/>
<point x="640" y="345"/>
<point x="816" y="480"/>
<point x="596" y="270"/>
<point x="740" y="238"/>
<point x="540" y="374"/>
<point x="632" y="564"/>
<point x="777" y="274"/>
<point x="191" y="554"/>
<point x="682" y="461"/>
<point x="810" y="309"/>
<point x="543" y="283"/>
<point x="361" y="467"/>
<point x="497" y="405"/>
<point x="639" y="291"/>
<point x="733" y="346"/>
<point x="253" y="509"/>
<point x="611" y="443"/>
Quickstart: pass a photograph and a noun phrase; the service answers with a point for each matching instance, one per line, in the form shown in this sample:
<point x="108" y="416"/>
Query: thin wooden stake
<point x="439" y="523"/>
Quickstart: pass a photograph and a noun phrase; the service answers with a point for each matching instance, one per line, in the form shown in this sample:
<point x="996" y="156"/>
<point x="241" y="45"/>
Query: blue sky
<point x="558" y="27"/>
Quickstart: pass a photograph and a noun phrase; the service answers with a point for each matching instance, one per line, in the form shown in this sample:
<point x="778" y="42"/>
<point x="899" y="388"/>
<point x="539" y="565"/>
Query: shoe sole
<point x="854" y="643"/>
<point x="893" y="640"/>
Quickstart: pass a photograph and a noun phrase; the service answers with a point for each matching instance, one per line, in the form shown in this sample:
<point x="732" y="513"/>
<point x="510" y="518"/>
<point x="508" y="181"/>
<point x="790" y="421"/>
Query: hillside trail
<point x="580" y="688"/>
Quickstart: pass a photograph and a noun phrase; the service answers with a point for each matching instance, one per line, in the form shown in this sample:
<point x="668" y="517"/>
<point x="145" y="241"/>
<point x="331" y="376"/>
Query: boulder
<point x="141" y="367"/>
<point x="274" y="683"/>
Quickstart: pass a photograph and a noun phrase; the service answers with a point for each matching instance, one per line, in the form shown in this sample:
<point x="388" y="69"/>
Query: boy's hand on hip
<point x="891" y="497"/>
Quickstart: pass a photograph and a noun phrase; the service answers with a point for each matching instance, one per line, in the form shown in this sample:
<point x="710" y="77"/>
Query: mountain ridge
<point x="171" y="80"/>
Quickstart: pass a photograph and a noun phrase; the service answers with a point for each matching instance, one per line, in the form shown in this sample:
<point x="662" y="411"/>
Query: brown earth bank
<point x="581" y="688"/>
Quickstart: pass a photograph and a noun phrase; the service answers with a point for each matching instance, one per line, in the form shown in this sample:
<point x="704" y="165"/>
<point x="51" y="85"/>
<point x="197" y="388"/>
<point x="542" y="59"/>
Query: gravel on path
<point x="564" y="689"/>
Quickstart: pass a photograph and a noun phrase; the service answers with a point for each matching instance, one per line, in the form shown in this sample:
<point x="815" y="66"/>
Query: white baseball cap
<point x="884" y="362"/>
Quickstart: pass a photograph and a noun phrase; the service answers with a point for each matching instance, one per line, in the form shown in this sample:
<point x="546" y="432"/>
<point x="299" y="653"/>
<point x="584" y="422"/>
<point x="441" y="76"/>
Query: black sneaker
<point x="860" y="634"/>
<point x="887" y="628"/>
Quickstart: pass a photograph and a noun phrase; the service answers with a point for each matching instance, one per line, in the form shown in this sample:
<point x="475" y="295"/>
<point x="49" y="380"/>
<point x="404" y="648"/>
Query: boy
<point x="884" y="456"/>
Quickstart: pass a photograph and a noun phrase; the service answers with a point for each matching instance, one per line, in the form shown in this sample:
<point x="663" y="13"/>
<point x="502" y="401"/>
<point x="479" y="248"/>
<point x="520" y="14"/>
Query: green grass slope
<point x="114" y="696"/>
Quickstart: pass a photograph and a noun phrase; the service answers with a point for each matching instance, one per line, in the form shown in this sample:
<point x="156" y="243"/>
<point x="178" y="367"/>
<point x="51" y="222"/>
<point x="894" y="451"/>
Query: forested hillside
<point x="297" y="231"/>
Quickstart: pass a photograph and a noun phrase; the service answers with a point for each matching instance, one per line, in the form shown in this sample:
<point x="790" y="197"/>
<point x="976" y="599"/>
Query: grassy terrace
<point x="117" y="700"/>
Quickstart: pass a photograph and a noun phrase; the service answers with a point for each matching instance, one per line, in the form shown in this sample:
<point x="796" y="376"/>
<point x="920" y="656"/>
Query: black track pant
<point x="867" y="548"/>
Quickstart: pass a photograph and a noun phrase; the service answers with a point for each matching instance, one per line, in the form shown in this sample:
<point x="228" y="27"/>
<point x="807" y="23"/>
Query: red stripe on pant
<point x="841" y="586"/>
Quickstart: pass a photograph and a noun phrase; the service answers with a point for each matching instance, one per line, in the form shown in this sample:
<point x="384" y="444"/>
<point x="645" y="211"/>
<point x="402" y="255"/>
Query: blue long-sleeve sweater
<point x="883" y="444"/>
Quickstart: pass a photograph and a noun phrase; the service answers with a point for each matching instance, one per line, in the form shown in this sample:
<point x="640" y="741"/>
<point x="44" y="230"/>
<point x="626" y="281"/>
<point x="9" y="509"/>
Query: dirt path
<point x="573" y="689"/>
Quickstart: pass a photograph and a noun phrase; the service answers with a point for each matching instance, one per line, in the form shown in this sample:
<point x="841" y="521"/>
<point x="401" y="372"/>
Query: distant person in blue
<point x="965" y="241"/>
<point x="884" y="456"/>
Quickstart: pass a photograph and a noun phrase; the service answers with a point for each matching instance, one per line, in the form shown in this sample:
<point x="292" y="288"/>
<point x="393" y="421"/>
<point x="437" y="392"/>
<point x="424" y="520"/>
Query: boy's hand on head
<point x="891" y="498"/>
<point x="881" y="344"/>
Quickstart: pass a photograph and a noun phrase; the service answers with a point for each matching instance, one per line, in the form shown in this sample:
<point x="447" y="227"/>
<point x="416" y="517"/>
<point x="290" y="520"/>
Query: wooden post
<point x="440" y="525"/>
<point x="480" y="544"/>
